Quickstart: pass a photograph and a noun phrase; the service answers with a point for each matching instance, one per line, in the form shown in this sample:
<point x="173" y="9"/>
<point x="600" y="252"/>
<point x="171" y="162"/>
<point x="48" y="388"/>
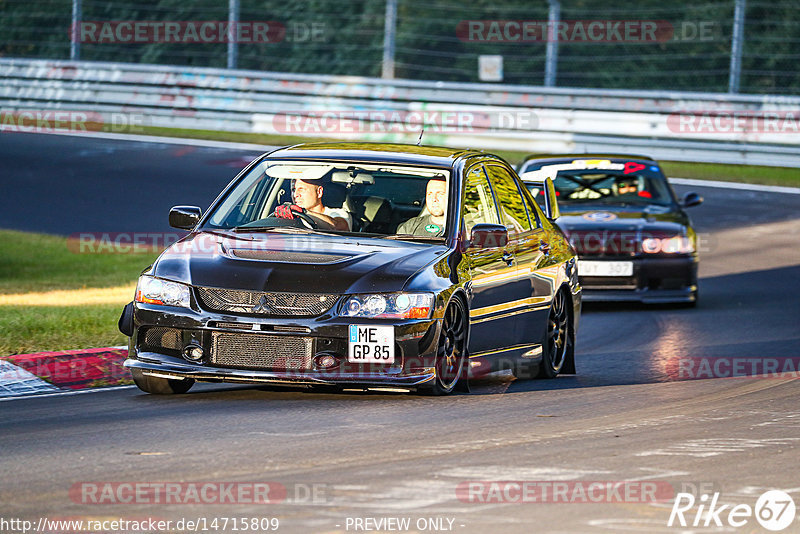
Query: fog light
<point x="193" y="353"/>
<point x="325" y="361"/>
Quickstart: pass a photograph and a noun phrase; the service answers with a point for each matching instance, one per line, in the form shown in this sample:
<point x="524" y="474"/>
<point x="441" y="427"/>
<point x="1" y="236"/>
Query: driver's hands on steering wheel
<point x="288" y="210"/>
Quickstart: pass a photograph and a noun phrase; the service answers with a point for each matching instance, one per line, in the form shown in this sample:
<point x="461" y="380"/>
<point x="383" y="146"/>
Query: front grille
<point x="261" y="303"/>
<point x="160" y="339"/>
<point x="261" y="351"/>
<point x="286" y="257"/>
<point x="608" y="282"/>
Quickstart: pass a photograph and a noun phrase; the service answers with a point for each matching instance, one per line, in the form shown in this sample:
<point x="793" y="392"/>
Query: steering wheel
<point x="308" y="220"/>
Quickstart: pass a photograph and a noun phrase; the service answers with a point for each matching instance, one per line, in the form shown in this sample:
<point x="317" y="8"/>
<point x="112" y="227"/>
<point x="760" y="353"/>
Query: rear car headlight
<point x="389" y="306"/>
<point x="152" y="290"/>
<point x="668" y="245"/>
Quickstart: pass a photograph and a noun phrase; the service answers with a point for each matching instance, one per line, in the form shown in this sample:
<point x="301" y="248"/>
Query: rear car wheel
<point x="451" y="351"/>
<point x="160" y="386"/>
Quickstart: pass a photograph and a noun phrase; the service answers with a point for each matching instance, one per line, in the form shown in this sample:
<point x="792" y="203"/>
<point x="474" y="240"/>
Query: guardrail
<point x="667" y="125"/>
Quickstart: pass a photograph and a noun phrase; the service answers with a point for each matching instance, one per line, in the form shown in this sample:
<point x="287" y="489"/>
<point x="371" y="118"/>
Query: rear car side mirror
<point x="692" y="199"/>
<point x="486" y="235"/>
<point x="184" y="217"/>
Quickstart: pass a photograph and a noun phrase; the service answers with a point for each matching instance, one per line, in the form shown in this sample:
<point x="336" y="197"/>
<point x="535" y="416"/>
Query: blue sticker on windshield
<point x="653" y="168"/>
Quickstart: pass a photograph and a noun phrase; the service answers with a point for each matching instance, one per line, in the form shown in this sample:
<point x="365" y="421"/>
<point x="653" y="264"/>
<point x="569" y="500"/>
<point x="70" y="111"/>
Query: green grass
<point x="34" y="263"/>
<point x="701" y="171"/>
<point x="33" y="329"/>
<point x="40" y="262"/>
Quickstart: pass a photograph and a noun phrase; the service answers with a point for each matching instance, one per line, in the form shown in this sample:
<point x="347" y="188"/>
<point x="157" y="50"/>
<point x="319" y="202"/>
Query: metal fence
<point x="745" y="46"/>
<point x="40" y="95"/>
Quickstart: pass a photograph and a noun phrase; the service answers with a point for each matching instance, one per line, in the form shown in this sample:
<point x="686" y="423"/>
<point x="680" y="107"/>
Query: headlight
<point x="668" y="245"/>
<point x="389" y="306"/>
<point x="152" y="290"/>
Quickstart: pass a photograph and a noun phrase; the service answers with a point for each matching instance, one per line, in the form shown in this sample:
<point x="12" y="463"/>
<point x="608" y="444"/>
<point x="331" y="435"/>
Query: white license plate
<point x="370" y="344"/>
<point x="605" y="268"/>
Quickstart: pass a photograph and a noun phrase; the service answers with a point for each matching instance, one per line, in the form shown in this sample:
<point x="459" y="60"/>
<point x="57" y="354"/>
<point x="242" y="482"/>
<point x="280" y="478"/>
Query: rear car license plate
<point x="605" y="268"/>
<point x="370" y="344"/>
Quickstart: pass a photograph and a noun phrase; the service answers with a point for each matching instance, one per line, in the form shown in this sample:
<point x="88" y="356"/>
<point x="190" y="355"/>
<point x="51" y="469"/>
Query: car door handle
<point x="544" y="247"/>
<point x="508" y="257"/>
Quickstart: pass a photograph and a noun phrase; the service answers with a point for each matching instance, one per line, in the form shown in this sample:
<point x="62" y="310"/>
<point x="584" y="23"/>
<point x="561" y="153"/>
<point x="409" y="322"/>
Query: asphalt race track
<point x="629" y="414"/>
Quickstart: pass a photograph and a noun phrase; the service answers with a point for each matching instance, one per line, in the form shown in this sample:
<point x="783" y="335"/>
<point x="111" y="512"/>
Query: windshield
<point x="608" y="186"/>
<point x="406" y="202"/>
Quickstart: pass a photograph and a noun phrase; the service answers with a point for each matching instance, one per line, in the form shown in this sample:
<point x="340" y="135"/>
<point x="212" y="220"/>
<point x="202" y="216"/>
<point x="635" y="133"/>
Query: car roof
<point x="377" y="153"/>
<point x="616" y="158"/>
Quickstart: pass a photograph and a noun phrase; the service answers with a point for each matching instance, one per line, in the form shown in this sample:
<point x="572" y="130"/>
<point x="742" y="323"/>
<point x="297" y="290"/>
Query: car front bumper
<point x="179" y="370"/>
<point x="415" y="349"/>
<point x="654" y="280"/>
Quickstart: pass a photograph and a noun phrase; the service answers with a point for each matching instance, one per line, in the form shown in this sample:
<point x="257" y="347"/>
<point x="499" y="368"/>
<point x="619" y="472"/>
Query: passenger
<point x="308" y="199"/>
<point x="432" y="223"/>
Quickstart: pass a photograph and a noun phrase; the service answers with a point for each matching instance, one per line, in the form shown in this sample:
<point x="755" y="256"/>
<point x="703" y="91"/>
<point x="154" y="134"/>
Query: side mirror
<point x="551" y="210"/>
<point x="692" y="199"/>
<point x="184" y="217"/>
<point x="489" y="236"/>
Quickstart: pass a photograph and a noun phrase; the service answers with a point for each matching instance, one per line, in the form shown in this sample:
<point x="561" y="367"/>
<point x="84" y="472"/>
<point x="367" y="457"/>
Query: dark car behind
<point x="634" y="240"/>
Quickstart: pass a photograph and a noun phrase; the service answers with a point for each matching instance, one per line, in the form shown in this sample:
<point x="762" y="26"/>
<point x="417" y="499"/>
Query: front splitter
<point x="286" y="378"/>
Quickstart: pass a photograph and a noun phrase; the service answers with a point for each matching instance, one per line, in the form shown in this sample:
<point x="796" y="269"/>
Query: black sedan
<point x="634" y="239"/>
<point x="358" y="265"/>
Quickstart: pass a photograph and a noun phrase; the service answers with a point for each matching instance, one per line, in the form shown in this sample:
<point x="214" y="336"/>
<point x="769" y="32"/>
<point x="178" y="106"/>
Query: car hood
<point x="622" y="219"/>
<point x="309" y="263"/>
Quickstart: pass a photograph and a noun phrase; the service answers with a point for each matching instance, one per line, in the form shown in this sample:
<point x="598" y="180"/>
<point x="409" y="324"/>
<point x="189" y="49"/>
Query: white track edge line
<point x="736" y="185"/>
<point x="62" y="393"/>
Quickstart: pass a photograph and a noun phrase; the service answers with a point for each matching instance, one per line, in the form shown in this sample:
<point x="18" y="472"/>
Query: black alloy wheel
<point x="559" y="338"/>
<point x="451" y="350"/>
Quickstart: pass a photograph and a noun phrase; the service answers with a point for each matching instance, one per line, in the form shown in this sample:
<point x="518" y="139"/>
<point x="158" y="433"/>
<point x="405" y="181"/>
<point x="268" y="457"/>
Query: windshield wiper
<point x="245" y="228"/>
<point x="282" y="230"/>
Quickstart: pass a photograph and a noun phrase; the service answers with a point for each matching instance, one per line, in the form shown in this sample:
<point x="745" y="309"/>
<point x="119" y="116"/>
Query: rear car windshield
<point x="612" y="186"/>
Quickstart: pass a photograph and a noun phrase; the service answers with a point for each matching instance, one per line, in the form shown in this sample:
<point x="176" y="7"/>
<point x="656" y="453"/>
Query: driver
<point x="625" y="186"/>
<point x="431" y="224"/>
<point x="307" y="198"/>
<point x="631" y="186"/>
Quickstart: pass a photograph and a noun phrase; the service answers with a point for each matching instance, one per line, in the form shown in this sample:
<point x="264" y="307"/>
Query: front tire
<point x="160" y="386"/>
<point x="451" y="353"/>
<point x="560" y="337"/>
